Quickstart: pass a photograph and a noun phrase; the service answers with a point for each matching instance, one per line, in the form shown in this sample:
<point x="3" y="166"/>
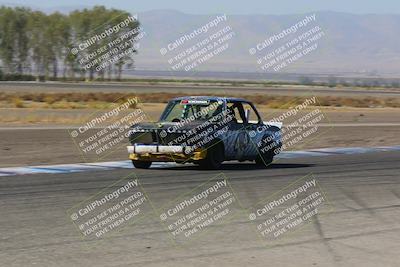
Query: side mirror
<point x="247" y="114"/>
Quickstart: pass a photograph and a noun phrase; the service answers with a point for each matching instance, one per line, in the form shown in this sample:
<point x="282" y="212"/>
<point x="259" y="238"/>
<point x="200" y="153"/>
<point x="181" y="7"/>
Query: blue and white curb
<point x="127" y="164"/>
<point x="321" y="152"/>
<point x="70" y="168"/>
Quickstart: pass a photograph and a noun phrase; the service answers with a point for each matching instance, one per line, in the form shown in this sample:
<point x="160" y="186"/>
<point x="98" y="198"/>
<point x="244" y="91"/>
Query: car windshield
<point x="193" y="109"/>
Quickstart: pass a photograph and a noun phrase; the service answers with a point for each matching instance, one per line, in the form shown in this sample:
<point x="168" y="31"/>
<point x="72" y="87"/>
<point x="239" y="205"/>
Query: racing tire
<point x="265" y="158"/>
<point x="214" y="158"/>
<point x="264" y="161"/>
<point x="139" y="164"/>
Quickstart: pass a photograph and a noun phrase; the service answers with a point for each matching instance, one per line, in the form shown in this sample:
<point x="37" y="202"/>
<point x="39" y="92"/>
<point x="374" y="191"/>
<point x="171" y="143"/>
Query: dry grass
<point x="17" y="102"/>
<point x="62" y="100"/>
<point x="105" y="100"/>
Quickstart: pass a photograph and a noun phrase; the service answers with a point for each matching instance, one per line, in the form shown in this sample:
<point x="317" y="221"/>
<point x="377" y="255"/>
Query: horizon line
<point x="81" y="7"/>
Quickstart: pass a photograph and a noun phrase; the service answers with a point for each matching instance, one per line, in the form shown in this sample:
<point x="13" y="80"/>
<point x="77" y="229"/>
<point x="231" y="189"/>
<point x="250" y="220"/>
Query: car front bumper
<point x="165" y="153"/>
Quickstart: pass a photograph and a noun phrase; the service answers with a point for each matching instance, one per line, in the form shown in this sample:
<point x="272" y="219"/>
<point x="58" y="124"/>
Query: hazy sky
<point x="227" y="6"/>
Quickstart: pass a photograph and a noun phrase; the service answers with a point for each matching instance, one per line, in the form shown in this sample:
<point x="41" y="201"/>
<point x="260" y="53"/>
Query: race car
<point x="205" y="130"/>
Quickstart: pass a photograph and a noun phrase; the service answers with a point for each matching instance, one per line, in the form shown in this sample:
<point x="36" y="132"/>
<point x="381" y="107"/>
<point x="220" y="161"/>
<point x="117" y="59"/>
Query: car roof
<point x="215" y="98"/>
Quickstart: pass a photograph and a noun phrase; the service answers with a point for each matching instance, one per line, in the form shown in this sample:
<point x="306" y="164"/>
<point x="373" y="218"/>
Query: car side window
<point x="253" y="118"/>
<point x="234" y="108"/>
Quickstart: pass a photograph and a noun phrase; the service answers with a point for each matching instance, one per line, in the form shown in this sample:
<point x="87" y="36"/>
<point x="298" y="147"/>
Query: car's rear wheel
<point x="214" y="158"/>
<point x="264" y="160"/>
<point x="139" y="164"/>
<point x="266" y="153"/>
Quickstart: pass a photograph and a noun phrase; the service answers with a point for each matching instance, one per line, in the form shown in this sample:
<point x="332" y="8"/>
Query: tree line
<point x="36" y="44"/>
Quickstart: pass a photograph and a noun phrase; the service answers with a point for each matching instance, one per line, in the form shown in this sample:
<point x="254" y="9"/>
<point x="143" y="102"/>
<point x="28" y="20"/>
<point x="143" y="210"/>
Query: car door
<point x="253" y="123"/>
<point x="238" y="140"/>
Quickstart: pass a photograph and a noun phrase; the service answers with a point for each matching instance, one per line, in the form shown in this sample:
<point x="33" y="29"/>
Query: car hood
<point x="170" y="126"/>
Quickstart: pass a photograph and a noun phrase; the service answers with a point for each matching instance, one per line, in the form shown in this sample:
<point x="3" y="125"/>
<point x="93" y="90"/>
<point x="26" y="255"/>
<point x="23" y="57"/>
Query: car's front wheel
<point x="214" y="158"/>
<point x="139" y="164"/>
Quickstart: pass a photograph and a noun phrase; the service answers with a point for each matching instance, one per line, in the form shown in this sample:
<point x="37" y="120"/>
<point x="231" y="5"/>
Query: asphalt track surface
<point x="223" y="90"/>
<point x="361" y="229"/>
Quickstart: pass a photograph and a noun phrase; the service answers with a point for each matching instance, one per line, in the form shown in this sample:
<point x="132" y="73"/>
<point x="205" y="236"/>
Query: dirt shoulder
<point x="22" y="117"/>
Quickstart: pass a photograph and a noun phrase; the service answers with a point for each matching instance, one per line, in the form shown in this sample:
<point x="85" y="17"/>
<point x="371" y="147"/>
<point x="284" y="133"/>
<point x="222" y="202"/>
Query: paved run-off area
<point x="361" y="229"/>
<point x="48" y="146"/>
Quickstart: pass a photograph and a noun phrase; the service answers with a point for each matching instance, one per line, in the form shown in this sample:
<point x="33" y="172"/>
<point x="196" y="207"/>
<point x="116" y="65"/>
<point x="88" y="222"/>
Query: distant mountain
<point x="352" y="43"/>
<point x="365" y="45"/>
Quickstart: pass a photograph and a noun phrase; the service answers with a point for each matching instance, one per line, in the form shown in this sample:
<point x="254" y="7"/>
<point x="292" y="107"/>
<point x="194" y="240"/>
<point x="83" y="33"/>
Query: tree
<point x="38" y="43"/>
<point x="129" y="45"/>
<point x="7" y="48"/>
<point x="33" y="38"/>
<point x="58" y="37"/>
<point x="305" y="80"/>
<point x="332" y="81"/>
<point x="21" y="38"/>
